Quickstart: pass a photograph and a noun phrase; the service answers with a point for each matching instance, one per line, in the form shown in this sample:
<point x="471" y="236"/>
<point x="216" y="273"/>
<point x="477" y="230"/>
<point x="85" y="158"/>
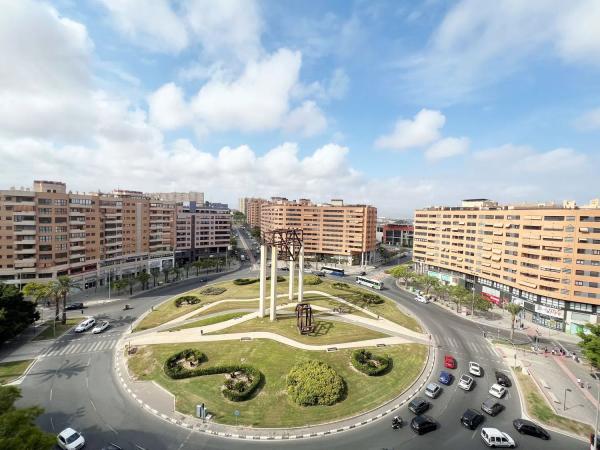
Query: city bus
<point x="333" y="271"/>
<point x="369" y="283"/>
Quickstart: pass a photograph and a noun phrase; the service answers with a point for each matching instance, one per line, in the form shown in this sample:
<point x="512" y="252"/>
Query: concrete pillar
<point x="301" y="275"/>
<point x="273" y="281"/>
<point x="263" y="280"/>
<point x="292" y="275"/>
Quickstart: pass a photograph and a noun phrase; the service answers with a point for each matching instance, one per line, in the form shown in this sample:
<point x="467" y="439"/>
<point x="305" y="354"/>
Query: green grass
<point x="538" y="407"/>
<point x="10" y="371"/>
<point x="61" y="329"/>
<point x="210" y="321"/>
<point x="271" y="406"/>
<point x="326" y="331"/>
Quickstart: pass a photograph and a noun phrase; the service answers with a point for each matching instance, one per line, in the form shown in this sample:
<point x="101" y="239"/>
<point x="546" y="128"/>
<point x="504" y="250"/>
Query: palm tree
<point x="155" y="271"/>
<point x="41" y="292"/>
<point x="177" y="273"/>
<point x="513" y="309"/>
<point x="165" y="272"/>
<point x="143" y="279"/>
<point x="61" y="288"/>
<point x="187" y="269"/>
<point x="198" y="265"/>
<point x="131" y="282"/>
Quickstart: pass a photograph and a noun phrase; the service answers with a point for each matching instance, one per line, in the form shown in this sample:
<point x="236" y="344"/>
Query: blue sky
<point x="398" y="104"/>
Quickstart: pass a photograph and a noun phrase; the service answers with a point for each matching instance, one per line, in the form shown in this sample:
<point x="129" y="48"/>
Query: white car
<point x="474" y="369"/>
<point x="421" y="299"/>
<point x="493" y="437"/>
<point x="101" y="327"/>
<point x="466" y="382"/>
<point x="85" y="325"/>
<point x="69" y="439"/>
<point x="497" y="391"/>
<point x="433" y="390"/>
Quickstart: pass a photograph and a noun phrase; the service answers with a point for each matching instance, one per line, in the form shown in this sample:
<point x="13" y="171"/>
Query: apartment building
<point x="252" y="208"/>
<point x="202" y="230"/>
<point x="179" y="197"/>
<point x="545" y="257"/>
<point x="343" y="233"/>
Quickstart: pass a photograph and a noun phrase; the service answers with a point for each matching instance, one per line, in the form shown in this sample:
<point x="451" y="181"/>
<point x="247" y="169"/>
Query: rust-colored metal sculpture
<point x="288" y="242"/>
<point x="304" y="318"/>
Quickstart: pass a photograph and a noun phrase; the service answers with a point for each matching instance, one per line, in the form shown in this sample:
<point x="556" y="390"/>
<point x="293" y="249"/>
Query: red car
<point x="449" y="362"/>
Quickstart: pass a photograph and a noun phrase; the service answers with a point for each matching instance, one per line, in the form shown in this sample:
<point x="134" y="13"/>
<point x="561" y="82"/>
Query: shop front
<point x="552" y="318"/>
<point x="576" y="321"/>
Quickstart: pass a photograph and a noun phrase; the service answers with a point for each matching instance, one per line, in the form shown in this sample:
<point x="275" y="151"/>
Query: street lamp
<point x="565" y="399"/>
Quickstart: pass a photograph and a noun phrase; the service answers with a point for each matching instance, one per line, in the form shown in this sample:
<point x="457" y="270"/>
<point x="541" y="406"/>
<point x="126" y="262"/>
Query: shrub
<point x="343" y="286"/>
<point x="312" y="280"/>
<point x="189" y="299"/>
<point x="212" y="290"/>
<point x="244" y="281"/>
<point x="369" y="364"/>
<point x="280" y="279"/>
<point x="371" y="299"/>
<point x="313" y="382"/>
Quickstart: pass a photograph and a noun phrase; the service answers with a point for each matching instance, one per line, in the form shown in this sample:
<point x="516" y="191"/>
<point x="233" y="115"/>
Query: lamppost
<point x="565" y="399"/>
<point x="473" y="301"/>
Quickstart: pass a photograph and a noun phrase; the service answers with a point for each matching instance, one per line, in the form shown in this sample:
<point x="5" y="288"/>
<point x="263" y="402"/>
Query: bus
<point x="333" y="271"/>
<point x="369" y="283"/>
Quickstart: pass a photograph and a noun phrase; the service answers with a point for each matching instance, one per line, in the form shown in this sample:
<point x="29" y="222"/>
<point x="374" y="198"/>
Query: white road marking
<point x="52" y="423"/>
<point x="93" y="406"/>
<point x="50" y="394"/>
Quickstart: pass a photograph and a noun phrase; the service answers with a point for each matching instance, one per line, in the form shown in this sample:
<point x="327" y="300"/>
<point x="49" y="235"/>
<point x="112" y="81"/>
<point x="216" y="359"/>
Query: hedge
<point x="189" y="299"/>
<point x="212" y="290"/>
<point x="313" y="382"/>
<point x="338" y="285"/>
<point x="312" y="280"/>
<point x="244" y="281"/>
<point x="363" y="361"/>
<point x="177" y="372"/>
<point x="371" y="299"/>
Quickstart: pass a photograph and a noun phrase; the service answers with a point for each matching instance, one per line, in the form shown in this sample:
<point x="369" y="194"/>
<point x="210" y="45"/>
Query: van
<point x="493" y="437"/>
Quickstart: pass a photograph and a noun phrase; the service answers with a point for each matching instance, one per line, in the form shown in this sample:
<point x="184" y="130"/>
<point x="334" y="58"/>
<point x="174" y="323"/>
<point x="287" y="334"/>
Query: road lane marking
<point x="50" y="394"/>
<point x="52" y="423"/>
<point x="93" y="406"/>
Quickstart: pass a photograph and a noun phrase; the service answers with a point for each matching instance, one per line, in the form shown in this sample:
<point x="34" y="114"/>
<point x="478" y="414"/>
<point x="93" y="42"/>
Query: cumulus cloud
<point x="168" y="109"/>
<point x="524" y="159"/>
<point x="588" y="121"/>
<point x="447" y="147"/>
<point x="422" y="130"/>
<point x="306" y="120"/>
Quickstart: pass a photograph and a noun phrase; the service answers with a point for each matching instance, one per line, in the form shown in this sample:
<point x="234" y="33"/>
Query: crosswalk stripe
<point x="94" y="347"/>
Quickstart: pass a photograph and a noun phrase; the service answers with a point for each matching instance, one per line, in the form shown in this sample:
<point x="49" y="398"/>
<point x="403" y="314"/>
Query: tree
<point x="403" y="272"/>
<point x="120" y="284"/>
<point x="590" y="343"/>
<point x="131" y="282"/>
<point x="233" y="242"/>
<point x="239" y="217"/>
<point x="441" y="291"/>
<point x="459" y="295"/>
<point x="143" y="278"/>
<point x="255" y="232"/>
<point x="16" y="314"/>
<point x="187" y="267"/>
<point x="198" y="265"/>
<point x="513" y="309"/>
<point x="166" y="271"/>
<point x="177" y="273"/>
<point x="62" y="287"/>
<point x="18" y="430"/>
<point x="427" y="282"/>
<point x="481" y="303"/>
<point x="41" y="292"/>
<point x="155" y="271"/>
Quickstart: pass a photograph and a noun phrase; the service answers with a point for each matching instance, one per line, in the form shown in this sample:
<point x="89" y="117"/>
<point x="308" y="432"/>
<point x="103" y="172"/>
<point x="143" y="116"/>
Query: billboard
<point x="547" y="311"/>
<point x="491" y="294"/>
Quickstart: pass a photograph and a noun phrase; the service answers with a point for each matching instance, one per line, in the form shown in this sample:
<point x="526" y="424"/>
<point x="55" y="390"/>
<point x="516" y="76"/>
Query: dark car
<point x="423" y="424"/>
<point x="445" y="378"/>
<point x="492" y="407"/>
<point x="471" y="419"/>
<point x="418" y="405"/>
<point x="502" y="379"/>
<point x="73" y="306"/>
<point x="527" y="427"/>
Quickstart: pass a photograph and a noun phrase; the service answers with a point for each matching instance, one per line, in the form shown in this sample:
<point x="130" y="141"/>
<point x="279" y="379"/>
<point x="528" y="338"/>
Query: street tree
<point x="513" y="309"/>
<point x="155" y="272"/>
<point x="42" y="292"/>
<point x="427" y="282"/>
<point x="62" y="287"/>
<point x="16" y="314"/>
<point x="590" y="343"/>
<point x="166" y="271"/>
<point x="198" y="265"/>
<point x="403" y="273"/>
<point x="131" y="282"/>
<point x="481" y="303"/>
<point x="459" y="295"/>
<point x="143" y="278"/>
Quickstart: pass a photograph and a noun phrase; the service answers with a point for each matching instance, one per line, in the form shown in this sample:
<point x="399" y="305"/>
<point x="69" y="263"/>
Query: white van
<point x="493" y="437"/>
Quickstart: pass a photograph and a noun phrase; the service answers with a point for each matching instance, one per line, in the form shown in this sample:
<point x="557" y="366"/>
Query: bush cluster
<point x="213" y="290"/>
<point x="189" y="299"/>
<point x="371" y="299"/>
<point x="244" y="281"/>
<point x="343" y="286"/>
<point x="280" y="279"/>
<point x="369" y="364"/>
<point x="313" y="382"/>
<point x="312" y="280"/>
<point x="236" y="393"/>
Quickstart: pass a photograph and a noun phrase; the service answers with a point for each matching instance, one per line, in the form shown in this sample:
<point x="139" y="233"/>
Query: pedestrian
<point x="579" y="382"/>
<point x="82" y="311"/>
<point x="201" y="332"/>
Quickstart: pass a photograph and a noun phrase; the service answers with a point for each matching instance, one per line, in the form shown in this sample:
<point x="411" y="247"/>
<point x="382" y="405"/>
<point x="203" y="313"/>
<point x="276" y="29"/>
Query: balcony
<point x="25" y="242"/>
<point x="76" y="239"/>
<point x="30" y="232"/>
<point x="24" y="213"/>
<point x="77" y="222"/>
<point x="75" y="248"/>
<point x="25" y="262"/>
<point x="30" y="223"/>
<point x="25" y="251"/>
<point x="76" y="213"/>
<point x="21" y="203"/>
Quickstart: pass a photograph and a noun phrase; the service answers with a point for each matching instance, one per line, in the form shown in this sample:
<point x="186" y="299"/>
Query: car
<point x="474" y="369"/>
<point x="502" y="379"/>
<point x="418" y="405"/>
<point x="471" y="419"/>
<point x="497" y="391"/>
<point x="445" y="378"/>
<point x="85" y="325"/>
<point x="363" y="273"/>
<point x="493" y="437"/>
<point x="74" y="306"/>
<point x="528" y="427"/>
<point x="449" y="362"/>
<point x="101" y="327"/>
<point x="433" y="390"/>
<point x="422" y="424"/>
<point x="466" y="382"/>
<point x="492" y="407"/>
<point x="421" y="299"/>
<point x="69" y="439"/>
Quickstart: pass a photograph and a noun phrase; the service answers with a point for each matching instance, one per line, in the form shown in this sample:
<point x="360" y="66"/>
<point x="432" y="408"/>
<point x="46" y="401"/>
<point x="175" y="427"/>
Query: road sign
<point x="236" y="413"/>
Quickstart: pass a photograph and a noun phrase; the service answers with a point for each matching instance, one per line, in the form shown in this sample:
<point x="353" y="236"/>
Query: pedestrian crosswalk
<point x="478" y="347"/>
<point x="85" y="346"/>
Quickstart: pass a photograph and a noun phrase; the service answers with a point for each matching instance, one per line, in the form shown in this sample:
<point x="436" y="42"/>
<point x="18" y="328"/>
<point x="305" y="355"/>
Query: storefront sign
<point x="492" y="295"/>
<point x="547" y="311"/>
<point x="518" y="301"/>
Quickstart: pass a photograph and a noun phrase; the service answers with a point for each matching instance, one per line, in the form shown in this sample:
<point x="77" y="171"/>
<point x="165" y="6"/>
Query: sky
<point x="398" y="104"/>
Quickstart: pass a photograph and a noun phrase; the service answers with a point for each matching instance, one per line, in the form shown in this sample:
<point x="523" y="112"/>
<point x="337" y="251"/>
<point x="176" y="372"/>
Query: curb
<point x="19" y="380"/>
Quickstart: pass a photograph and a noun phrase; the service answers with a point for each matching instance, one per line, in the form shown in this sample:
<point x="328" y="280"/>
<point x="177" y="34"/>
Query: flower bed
<point x="187" y="299"/>
<point x="369" y="364"/>
<point x="213" y="290"/>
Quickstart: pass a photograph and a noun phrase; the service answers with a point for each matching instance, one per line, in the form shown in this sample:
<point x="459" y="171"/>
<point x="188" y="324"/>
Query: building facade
<point x="398" y="233"/>
<point x="179" y="197"/>
<point x="332" y="231"/>
<point x="252" y="210"/>
<point x="545" y="257"/>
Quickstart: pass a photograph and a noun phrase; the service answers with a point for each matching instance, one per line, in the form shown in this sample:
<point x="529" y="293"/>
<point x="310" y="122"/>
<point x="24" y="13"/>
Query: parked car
<point x="528" y="427"/>
<point x="418" y="405"/>
<point x="497" y="391"/>
<point x="471" y="419"/>
<point x="466" y="382"/>
<point x="433" y="390"/>
<point x="502" y="379"/>
<point x="474" y="369"/>
<point x="363" y="273"/>
<point x="493" y="437"/>
<point x="101" y="327"/>
<point x="449" y="362"/>
<point x="421" y="299"/>
<point x="423" y="424"/>
<point x="445" y="378"/>
<point x="74" y="306"/>
<point x="69" y="439"/>
<point x="85" y="325"/>
<point x="492" y="407"/>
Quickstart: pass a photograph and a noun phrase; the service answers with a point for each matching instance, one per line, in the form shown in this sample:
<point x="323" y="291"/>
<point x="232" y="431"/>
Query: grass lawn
<point x="210" y="320"/>
<point x="271" y="406"/>
<point x="61" y="329"/>
<point x="10" y="371"/>
<point x="538" y="407"/>
<point x="326" y="331"/>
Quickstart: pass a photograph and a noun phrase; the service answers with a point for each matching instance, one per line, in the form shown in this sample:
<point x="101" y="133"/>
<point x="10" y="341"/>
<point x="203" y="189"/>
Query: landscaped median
<point x="10" y="371"/>
<point x="57" y="329"/>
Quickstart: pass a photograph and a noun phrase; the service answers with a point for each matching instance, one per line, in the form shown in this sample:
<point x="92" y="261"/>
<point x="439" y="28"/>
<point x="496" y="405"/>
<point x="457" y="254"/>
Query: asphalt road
<point x="74" y="383"/>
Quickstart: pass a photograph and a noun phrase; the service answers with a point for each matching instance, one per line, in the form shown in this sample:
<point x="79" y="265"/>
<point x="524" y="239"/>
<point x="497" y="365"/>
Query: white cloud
<point x="422" y="130"/>
<point x="306" y="120"/>
<point x="333" y="88"/>
<point x="516" y="159"/>
<point x="168" y="109"/>
<point x="588" y="121"/>
<point x="447" y="147"/>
